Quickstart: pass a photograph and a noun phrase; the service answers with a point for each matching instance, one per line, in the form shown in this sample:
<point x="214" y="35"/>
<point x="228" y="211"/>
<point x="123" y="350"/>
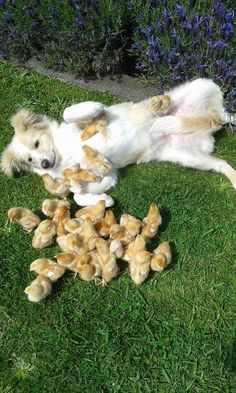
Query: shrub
<point x="174" y="43"/>
<point x="86" y="36"/>
<point x="167" y="42"/>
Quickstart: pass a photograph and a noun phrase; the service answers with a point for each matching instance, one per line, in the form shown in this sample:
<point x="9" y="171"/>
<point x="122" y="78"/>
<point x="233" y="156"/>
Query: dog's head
<point x="31" y="148"/>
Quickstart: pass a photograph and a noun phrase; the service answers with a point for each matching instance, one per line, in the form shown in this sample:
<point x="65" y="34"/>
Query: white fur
<point x="135" y="135"/>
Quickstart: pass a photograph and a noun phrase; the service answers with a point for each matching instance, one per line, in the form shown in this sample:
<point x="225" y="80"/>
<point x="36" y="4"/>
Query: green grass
<point x="174" y="333"/>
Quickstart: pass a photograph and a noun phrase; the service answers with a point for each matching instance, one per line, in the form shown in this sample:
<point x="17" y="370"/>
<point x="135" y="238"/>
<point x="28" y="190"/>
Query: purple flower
<point x="15" y="33"/>
<point x="180" y="11"/>
<point x="2" y="3"/>
<point x="230" y="16"/>
<point x="219" y="10"/>
<point x="136" y="45"/>
<point x="166" y="17"/>
<point x="138" y="67"/>
<point x="226" y="30"/>
<point x="229" y="76"/>
<point x="29" y="11"/>
<point x="186" y="25"/>
<point x="6" y="16"/>
<point x="152" y="41"/>
<point x="79" y="20"/>
<point x="52" y="12"/>
<point x="218" y="44"/>
<point x="175" y="37"/>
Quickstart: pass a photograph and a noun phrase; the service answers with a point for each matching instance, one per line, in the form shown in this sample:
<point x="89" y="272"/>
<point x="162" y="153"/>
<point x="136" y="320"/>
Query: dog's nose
<point x="45" y="164"/>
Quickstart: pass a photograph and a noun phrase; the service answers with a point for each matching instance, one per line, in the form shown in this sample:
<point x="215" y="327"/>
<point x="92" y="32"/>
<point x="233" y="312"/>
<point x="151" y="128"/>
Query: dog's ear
<point x="11" y="162"/>
<point x="24" y="120"/>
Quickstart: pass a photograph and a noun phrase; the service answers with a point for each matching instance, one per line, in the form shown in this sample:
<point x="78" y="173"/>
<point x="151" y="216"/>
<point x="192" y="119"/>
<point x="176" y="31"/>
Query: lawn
<point x="174" y="333"/>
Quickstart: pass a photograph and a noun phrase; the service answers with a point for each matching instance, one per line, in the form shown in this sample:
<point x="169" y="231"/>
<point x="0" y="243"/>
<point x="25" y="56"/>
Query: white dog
<point x="181" y="132"/>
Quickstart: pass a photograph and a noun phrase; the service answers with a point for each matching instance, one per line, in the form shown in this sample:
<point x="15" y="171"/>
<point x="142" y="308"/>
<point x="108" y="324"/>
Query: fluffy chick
<point x="140" y="267"/>
<point x="162" y="257"/>
<point x="85" y="269"/>
<point x="107" y="260"/>
<point x="70" y="242"/>
<point x="118" y="232"/>
<point x="25" y="217"/>
<point x="139" y="259"/>
<point x="131" y="224"/>
<point x="56" y="187"/>
<point x="95" y="212"/>
<point x="67" y="260"/>
<point x="95" y="162"/>
<point x="44" y="234"/>
<point x="116" y="248"/>
<point x="48" y="268"/>
<point x="103" y="226"/>
<point x="151" y="223"/>
<point x="49" y="206"/>
<point x="76" y="175"/>
<point x="61" y="213"/>
<point x="92" y="126"/>
<point x="38" y="289"/>
<point x="73" y="225"/>
<point x="88" y="234"/>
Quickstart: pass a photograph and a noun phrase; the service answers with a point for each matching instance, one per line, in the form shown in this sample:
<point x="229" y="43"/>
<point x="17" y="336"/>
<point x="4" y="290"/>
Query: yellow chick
<point x="67" y="260"/>
<point x="49" y="206"/>
<point x="38" y="289"/>
<point x="92" y="126"/>
<point x="116" y="248"/>
<point x="84" y="268"/>
<point x="48" y="268"/>
<point x="162" y="257"/>
<point x="94" y="261"/>
<point x="73" y="225"/>
<point x="76" y="175"/>
<point x="56" y="187"/>
<point x="70" y="242"/>
<point x="134" y="247"/>
<point x="103" y="226"/>
<point x="131" y="224"/>
<point x="118" y="232"/>
<point x="95" y="212"/>
<point x="25" y="217"/>
<point x="95" y="162"/>
<point x="151" y="223"/>
<point x="61" y="213"/>
<point x="139" y="259"/>
<point x="88" y="234"/>
<point x="44" y="234"/>
<point x="140" y="267"/>
<point x="107" y="260"/>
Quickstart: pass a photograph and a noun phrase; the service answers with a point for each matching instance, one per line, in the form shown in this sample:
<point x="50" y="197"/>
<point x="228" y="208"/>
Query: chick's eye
<point x="29" y="159"/>
<point x="36" y="144"/>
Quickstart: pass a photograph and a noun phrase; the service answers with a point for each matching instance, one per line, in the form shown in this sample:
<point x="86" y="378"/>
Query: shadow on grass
<point x="230" y="358"/>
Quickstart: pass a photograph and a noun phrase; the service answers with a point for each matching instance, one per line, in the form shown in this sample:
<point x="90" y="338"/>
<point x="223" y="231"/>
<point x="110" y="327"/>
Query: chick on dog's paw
<point x="159" y="105"/>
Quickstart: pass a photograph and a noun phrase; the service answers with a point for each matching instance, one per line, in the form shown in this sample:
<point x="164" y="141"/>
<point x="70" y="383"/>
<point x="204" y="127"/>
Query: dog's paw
<point x="83" y="111"/>
<point x="92" y="199"/>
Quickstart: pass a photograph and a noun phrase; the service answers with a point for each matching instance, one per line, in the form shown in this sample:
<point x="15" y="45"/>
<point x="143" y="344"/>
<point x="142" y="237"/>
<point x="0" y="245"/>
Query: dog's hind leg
<point x="199" y="160"/>
<point x="82" y="112"/>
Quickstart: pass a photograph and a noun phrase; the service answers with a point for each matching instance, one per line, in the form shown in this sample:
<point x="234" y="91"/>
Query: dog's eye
<point x="36" y="144"/>
<point x="29" y="159"/>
